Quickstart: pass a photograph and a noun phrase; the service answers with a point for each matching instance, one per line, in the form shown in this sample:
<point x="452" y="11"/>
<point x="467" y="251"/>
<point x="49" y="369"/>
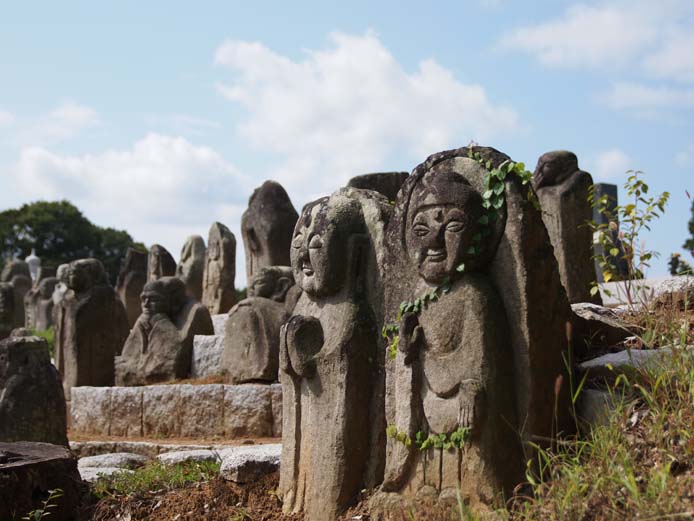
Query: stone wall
<point x="180" y="410"/>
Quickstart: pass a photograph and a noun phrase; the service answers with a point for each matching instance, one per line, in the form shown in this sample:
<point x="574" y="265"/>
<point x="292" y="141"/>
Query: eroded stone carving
<point x="160" y="263"/>
<point x="6" y="309"/>
<point x="386" y="183"/>
<point x="266" y="228"/>
<point x="58" y="313"/>
<point x="563" y="190"/>
<point x="328" y="352"/>
<point x="218" y="292"/>
<point x="32" y="403"/>
<point x="17" y="273"/>
<point x="93" y="327"/>
<point x="131" y="279"/>
<point x="160" y="345"/>
<point x="251" y="343"/>
<point x="474" y="359"/>
<point x="191" y="266"/>
<point x="38" y="303"/>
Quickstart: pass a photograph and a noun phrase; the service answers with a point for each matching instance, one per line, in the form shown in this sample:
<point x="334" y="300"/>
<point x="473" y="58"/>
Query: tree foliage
<point x="60" y="233"/>
<point x="689" y="243"/>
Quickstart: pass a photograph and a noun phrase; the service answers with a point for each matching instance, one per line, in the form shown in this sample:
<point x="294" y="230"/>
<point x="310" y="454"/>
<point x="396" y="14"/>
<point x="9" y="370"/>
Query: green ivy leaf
<point x="460" y="268"/>
<point x="483" y="220"/>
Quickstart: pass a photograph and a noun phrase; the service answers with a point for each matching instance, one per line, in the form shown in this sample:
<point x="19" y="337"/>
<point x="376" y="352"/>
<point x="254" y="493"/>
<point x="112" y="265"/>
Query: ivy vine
<point x="455" y="440"/>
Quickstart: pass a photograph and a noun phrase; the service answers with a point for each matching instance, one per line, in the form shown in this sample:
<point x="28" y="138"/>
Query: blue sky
<point x="161" y="117"/>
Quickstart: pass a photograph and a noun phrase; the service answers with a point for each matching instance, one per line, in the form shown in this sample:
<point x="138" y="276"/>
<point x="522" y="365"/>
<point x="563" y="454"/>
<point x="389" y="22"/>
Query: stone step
<point x="150" y="449"/>
<point x="178" y="411"/>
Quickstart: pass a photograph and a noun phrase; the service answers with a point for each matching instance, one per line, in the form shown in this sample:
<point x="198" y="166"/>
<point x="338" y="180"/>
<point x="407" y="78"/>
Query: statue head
<point x="46" y="287"/>
<point x="166" y="295"/>
<point x="84" y="274"/>
<point x="14" y="268"/>
<point x="135" y="260"/>
<point x="554" y="168"/>
<point x="194" y="248"/>
<point x="160" y="263"/>
<point x="442" y="219"/>
<point x="320" y="253"/>
<point x="6" y="303"/>
<point x="272" y="282"/>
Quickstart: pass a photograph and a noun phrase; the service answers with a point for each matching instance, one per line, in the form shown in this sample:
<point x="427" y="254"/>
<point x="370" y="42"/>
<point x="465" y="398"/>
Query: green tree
<point x="60" y="233"/>
<point x="689" y="243"/>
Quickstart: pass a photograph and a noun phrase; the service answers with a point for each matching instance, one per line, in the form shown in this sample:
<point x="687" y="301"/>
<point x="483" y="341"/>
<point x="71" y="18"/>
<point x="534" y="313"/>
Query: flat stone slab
<point x="29" y="470"/>
<point x="247" y="463"/>
<point x="207" y="353"/>
<point x="643" y="290"/>
<point x="93" y="474"/>
<point x="178" y="411"/>
<point x="182" y="456"/>
<point x="609" y="366"/>
<point x="148" y="449"/>
<point x="123" y="460"/>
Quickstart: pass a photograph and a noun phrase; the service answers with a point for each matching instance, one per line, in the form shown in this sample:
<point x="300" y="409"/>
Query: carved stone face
<point x="263" y="285"/>
<point x="154" y="302"/>
<point x="77" y="278"/>
<point x="320" y="245"/>
<point x="554" y="168"/>
<point x="85" y="273"/>
<point x="441" y="225"/>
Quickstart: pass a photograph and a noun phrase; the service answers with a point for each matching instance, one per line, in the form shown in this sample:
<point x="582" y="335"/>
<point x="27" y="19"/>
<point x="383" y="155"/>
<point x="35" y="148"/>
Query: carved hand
<point x="302" y="339"/>
<point x="472" y="405"/>
<point x="410" y="337"/>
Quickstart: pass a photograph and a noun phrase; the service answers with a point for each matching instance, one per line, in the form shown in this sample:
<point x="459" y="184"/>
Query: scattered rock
<point x="609" y="366"/>
<point x="594" y="407"/>
<point x="597" y="326"/>
<point x="92" y="474"/>
<point x="123" y="460"/>
<point x="181" y="456"/>
<point x="207" y="353"/>
<point x="248" y="463"/>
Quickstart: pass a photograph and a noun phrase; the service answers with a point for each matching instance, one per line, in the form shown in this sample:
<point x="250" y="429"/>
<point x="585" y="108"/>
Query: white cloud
<point x="161" y="190"/>
<point x="607" y="34"/>
<point x="64" y="122"/>
<point x="6" y="118"/>
<point x="641" y="97"/>
<point x="349" y="108"/>
<point x="675" y="59"/>
<point x="610" y="164"/>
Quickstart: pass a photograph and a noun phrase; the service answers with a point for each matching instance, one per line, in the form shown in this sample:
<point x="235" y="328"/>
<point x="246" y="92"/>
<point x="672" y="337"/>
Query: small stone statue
<point x="160" y="263"/>
<point x="93" y="327"/>
<point x="328" y="355"/>
<point x="563" y="191"/>
<point x="32" y="403"/>
<point x="160" y="345"/>
<point x="17" y="273"/>
<point x="218" y="292"/>
<point x="251" y="343"/>
<point x="34" y="263"/>
<point x="58" y="313"/>
<point x="266" y="227"/>
<point x="38" y="303"/>
<point x="131" y="279"/>
<point x="192" y="265"/>
<point x="6" y="309"/>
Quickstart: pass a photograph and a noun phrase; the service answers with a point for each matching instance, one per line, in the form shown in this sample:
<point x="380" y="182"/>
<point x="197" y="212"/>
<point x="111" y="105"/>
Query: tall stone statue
<point x="386" y="183"/>
<point x="563" y="190"/>
<point x="192" y="265"/>
<point x="32" y="403"/>
<point x="328" y="351"/>
<point x="93" y="329"/>
<point x="218" y="292"/>
<point x="160" y="345"/>
<point x="251" y="343"/>
<point x="58" y="313"/>
<point x="16" y="272"/>
<point x="6" y="309"/>
<point x="38" y="303"/>
<point x="131" y="279"/>
<point x="476" y="358"/>
<point x="266" y="228"/>
<point x="160" y="263"/>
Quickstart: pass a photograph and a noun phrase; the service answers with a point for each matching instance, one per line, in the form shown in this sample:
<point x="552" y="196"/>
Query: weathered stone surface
<point x="32" y="403"/>
<point x="145" y="448"/>
<point x="93" y="474"/>
<point x="126" y="411"/>
<point x="160" y="345"/>
<point x="251" y="343"/>
<point x="90" y="410"/>
<point x="203" y="410"/>
<point x="207" y="354"/>
<point x="248" y="463"/>
<point x="219" y="322"/>
<point x="58" y="314"/>
<point x="597" y="326"/>
<point x="276" y="397"/>
<point x="328" y="354"/>
<point x="611" y="365"/>
<point x="655" y="291"/>
<point x="29" y="470"/>
<point x="386" y="183"/>
<point x="38" y="302"/>
<point x="563" y="191"/>
<point x="247" y="411"/>
<point x="183" y="456"/>
<point x="160" y="263"/>
<point x="191" y="266"/>
<point x="122" y="460"/>
<point x="594" y="407"/>
<point x="131" y="279"/>
<point x="218" y="292"/>
<point x="92" y="330"/>
<point x="7" y="316"/>
<point x="482" y="354"/>
<point x="161" y="410"/>
<point x="266" y="228"/>
<point x="16" y="272"/>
